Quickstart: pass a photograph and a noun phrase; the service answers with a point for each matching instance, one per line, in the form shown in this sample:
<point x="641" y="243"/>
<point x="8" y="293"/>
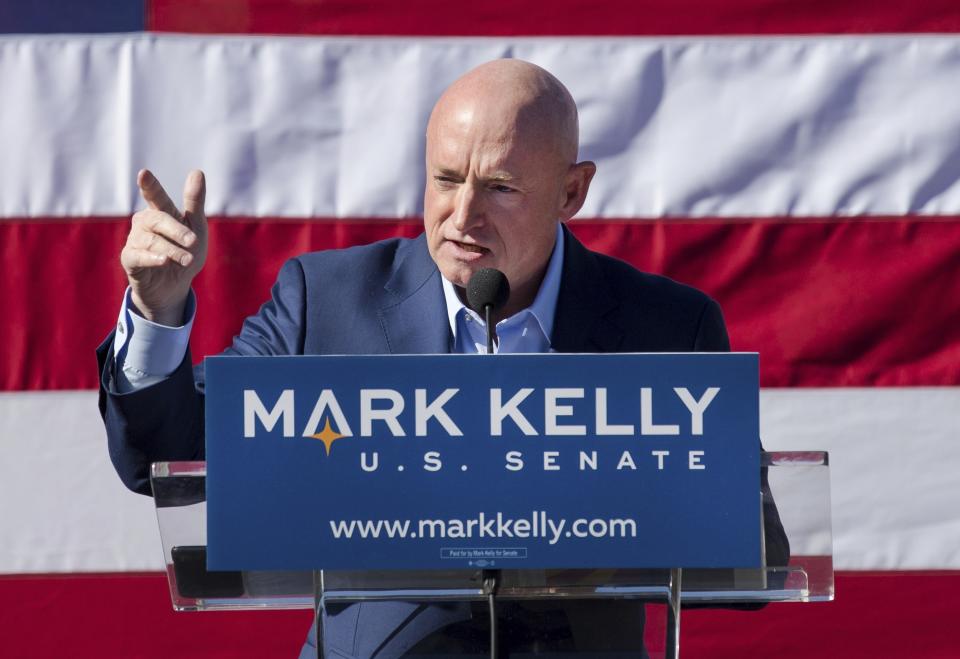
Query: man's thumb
<point x="194" y="192"/>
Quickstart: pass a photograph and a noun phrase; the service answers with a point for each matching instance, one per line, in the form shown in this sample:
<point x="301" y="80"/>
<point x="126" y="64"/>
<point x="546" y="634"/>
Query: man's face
<point x="494" y="195"/>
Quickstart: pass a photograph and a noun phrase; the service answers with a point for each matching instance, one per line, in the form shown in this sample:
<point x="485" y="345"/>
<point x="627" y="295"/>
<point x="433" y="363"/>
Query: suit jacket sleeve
<point x="165" y="421"/>
<point x="712" y="337"/>
<point x="712" y="331"/>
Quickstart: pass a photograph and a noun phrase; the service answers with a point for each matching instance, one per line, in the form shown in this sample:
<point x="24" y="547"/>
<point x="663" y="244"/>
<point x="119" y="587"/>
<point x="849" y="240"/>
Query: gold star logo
<point x="328" y="436"/>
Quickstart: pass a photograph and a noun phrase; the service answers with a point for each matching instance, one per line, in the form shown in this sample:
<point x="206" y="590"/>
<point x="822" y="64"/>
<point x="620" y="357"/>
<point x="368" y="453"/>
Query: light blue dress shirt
<point x="146" y="352"/>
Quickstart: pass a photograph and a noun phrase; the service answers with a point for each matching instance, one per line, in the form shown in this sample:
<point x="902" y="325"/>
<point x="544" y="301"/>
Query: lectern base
<point x="537" y="626"/>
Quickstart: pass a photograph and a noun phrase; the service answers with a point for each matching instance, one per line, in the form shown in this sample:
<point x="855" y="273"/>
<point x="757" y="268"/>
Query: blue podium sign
<point x="457" y="461"/>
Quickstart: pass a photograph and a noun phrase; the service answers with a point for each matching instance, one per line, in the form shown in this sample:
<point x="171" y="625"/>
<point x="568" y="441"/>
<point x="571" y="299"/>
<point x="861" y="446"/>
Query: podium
<point x="573" y="502"/>
<point x="798" y="487"/>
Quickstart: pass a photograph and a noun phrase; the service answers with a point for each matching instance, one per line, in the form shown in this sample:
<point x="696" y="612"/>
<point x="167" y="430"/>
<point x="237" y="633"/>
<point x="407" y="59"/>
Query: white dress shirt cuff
<point x="147" y="352"/>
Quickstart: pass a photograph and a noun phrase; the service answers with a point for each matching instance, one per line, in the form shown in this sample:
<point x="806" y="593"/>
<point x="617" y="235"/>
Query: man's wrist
<point x="170" y="316"/>
<point x="147" y="351"/>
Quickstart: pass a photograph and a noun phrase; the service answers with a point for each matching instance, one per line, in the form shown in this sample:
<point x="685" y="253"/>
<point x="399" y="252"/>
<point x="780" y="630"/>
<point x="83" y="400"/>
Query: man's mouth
<point x="467" y="247"/>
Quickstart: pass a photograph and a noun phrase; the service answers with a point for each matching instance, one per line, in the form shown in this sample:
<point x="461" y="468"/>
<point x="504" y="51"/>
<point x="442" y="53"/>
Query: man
<point x="502" y="177"/>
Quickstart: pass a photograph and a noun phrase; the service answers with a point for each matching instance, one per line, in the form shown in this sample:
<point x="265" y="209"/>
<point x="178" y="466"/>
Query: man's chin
<point x="459" y="274"/>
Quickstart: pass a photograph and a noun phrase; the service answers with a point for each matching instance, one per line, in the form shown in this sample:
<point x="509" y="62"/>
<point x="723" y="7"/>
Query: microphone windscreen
<point x="487" y="286"/>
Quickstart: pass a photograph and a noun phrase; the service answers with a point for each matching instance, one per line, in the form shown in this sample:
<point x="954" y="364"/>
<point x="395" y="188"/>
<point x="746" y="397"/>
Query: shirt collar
<point x="544" y="305"/>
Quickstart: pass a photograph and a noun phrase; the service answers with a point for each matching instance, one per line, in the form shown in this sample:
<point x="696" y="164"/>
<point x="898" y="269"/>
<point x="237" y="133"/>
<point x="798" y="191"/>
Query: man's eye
<point x="444" y="180"/>
<point x="503" y="188"/>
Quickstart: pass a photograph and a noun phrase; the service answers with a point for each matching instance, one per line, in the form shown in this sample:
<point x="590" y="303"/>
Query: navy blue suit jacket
<point x="386" y="298"/>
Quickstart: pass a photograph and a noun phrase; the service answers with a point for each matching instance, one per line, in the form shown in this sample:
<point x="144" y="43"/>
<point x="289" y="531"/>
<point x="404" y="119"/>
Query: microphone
<point x="487" y="291"/>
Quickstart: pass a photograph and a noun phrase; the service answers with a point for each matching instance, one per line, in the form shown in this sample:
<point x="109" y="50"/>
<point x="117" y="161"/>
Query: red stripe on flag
<point x="876" y="614"/>
<point x="130" y="615"/>
<point x="826" y="303"/>
<point x="558" y="17"/>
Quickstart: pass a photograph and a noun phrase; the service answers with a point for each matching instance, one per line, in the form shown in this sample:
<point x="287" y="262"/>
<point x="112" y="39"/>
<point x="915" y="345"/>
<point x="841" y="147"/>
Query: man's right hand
<point x="165" y="248"/>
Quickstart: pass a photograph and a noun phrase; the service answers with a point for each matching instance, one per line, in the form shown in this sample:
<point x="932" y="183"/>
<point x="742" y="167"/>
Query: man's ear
<point x="577" y="183"/>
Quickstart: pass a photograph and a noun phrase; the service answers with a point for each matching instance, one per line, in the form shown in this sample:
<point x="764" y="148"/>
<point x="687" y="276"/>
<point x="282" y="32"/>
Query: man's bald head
<point x="522" y="98"/>
<point x="501" y="173"/>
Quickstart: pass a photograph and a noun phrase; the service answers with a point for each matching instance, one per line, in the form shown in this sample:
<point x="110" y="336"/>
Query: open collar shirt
<point x="528" y="330"/>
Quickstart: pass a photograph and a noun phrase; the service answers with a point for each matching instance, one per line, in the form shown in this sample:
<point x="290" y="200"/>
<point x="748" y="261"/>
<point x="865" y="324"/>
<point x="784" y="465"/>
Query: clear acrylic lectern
<point x="798" y="484"/>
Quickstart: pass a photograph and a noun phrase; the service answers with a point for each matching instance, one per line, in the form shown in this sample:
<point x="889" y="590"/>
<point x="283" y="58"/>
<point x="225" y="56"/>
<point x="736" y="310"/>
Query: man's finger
<point x="154" y="194"/>
<point x="135" y="258"/>
<point x="194" y="193"/>
<point x="163" y="247"/>
<point x="149" y="222"/>
<point x="163" y="250"/>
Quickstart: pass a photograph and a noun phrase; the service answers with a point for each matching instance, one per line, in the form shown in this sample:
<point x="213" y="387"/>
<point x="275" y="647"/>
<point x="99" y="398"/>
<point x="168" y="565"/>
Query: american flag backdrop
<point x="798" y="161"/>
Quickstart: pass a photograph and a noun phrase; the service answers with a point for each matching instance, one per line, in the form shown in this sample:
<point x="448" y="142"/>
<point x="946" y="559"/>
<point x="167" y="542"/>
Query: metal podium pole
<point x="672" y="651"/>
<point x="318" y="609"/>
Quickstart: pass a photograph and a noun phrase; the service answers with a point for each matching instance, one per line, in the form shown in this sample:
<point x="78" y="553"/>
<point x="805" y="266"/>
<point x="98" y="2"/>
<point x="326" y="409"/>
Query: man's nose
<point x="468" y="209"/>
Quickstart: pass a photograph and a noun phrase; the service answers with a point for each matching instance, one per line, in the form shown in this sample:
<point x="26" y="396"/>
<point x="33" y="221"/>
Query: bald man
<point x="501" y="173"/>
<point x="502" y="177"/>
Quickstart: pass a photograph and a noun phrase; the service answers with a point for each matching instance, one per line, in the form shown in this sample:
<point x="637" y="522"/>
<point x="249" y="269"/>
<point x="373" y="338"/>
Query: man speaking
<point x="502" y="177"/>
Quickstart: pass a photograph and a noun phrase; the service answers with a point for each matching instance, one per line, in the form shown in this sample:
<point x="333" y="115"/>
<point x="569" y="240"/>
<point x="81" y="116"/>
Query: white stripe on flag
<point x="893" y="468"/>
<point x="893" y="476"/>
<point x="62" y="507"/>
<point x="313" y="127"/>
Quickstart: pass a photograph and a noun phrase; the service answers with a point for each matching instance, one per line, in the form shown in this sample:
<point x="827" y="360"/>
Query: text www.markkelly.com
<point x="537" y="525"/>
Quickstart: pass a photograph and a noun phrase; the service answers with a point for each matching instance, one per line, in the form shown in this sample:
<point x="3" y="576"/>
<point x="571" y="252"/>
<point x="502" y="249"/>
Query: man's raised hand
<point x="165" y="248"/>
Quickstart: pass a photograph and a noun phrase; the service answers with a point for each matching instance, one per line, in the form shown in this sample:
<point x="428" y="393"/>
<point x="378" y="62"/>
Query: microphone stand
<point x="490" y="578"/>
<point x="488" y="314"/>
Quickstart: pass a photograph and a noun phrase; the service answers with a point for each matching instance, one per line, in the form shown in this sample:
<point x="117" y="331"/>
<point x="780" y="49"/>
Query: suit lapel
<point x="583" y="321"/>
<point x="413" y="314"/>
